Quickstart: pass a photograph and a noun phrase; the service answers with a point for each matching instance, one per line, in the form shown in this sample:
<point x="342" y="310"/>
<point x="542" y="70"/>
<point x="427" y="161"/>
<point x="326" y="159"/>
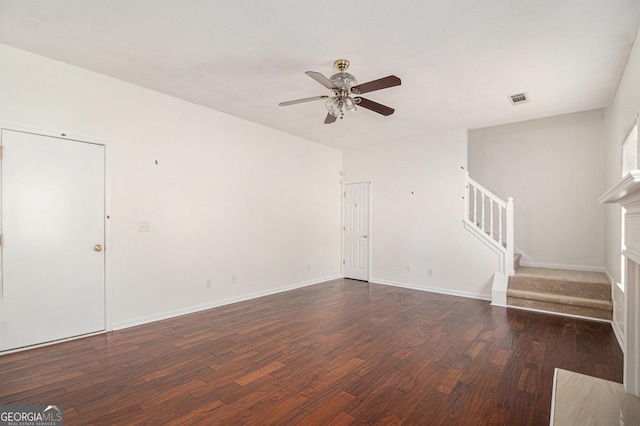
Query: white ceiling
<point x="458" y="59"/>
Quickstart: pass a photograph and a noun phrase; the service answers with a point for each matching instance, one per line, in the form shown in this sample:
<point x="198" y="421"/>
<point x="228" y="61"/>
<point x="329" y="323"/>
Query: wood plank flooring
<point x="342" y="352"/>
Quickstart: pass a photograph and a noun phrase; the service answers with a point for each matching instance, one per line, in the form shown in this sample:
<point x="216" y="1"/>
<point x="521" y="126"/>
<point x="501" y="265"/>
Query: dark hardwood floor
<point x="342" y="352"/>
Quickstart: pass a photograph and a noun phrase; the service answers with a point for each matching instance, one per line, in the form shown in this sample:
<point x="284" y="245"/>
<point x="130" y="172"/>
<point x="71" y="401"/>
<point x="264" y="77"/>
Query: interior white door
<point x="53" y="212"/>
<point x="356" y="231"/>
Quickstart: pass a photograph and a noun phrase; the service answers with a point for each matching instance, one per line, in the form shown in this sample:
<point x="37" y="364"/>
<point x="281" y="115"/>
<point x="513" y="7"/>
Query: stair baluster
<point x="491" y="218"/>
<point x="502" y="238"/>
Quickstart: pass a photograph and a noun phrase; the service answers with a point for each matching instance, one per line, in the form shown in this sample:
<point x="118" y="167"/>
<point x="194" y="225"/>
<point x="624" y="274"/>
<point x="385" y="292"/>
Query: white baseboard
<point x="618" y="333"/>
<point x="53" y="342"/>
<point x="609" y="277"/>
<point x="439" y="290"/>
<point x="552" y="417"/>
<point x="560" y="266"/>
<point x="217" y="303"/>
<point x="558" y="313"/>
<point x="617" y="330"/>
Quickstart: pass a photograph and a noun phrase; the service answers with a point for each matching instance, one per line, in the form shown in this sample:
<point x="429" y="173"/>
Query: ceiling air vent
<point x="518" y="99"/>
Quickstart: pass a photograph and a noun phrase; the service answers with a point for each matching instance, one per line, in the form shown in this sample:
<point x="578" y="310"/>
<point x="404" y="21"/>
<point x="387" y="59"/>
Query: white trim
<point x="553" y="397"/>
<point x="55" y="133"/>
<point x="499" y="286"/>
<point x="618" y="333"/>
<point x="615" y="325"/>
<point x="343" y="225"/>
<point x="562" y="314"/>
<point x="609" y="277"/>
<point x="632" y="254"/>
<point x="370" y="235"/>
<point x="630" y="184"/>
<point x="52" y="342"/>
<point x="493" y="244"/>
<point x="108" y="289"/>
<point x="430" y="289"/>
<point x="357" y="181"/>
<point x="487" y="242"/>
<point x="217" y="303"/>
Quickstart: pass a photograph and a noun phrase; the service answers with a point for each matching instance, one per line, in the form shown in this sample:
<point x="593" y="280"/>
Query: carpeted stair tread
<point x="564" y="274"/>
<point x="593" y="285"/>
<point x="561" y="299"/>
<point x="587" y="294"/>
<point x="560" y="308"/>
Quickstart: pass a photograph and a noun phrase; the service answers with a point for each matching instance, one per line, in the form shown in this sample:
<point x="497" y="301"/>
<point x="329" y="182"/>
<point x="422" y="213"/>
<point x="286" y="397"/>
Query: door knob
<point x="364" y="236"/>
<point x="97" y="248"/>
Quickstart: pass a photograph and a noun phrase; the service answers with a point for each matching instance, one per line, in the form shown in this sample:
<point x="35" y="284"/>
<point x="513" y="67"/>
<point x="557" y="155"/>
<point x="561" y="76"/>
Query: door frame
<point x="108" y="291"/>
<point x="343" y="224"/>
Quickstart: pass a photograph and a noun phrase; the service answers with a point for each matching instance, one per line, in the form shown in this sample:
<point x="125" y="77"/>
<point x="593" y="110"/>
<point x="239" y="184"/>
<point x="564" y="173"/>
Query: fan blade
<point x="381" y="83"/>
<point x="376" y="107"/>
<point x="321" y="79"/>
<point x="299" y="101"/>
<point x="330" y="119"/>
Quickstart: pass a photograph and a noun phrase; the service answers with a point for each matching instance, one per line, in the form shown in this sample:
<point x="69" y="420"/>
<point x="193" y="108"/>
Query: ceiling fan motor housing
<point x="341" y="65"/>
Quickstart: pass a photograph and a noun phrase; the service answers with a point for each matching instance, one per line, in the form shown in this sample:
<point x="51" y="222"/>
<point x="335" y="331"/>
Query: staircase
<point x="585" y="294"/>
<point x="490" y="219"/>
<point x="579" y="293"/>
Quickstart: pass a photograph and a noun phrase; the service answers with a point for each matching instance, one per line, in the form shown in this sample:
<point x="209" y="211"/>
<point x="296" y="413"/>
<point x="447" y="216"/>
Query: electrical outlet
<point x="407" y="268"/>
<point x="233" y="279"/>
<point x="144" y="227"/>
<point x="430" y="272"/>
<point x="208" y="284"/>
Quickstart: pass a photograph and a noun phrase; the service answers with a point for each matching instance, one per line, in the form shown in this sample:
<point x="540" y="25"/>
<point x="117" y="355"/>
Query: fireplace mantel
<point x="627" y="194"/>
<point x="625" y="189"/>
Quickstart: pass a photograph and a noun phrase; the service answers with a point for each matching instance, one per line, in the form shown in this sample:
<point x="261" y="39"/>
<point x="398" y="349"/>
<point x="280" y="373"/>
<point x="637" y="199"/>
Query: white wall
<point x="227" y="197"/>
<point x="619" y="118"/>
<point x="552" y="167"/>
<point x="416" y="215"/>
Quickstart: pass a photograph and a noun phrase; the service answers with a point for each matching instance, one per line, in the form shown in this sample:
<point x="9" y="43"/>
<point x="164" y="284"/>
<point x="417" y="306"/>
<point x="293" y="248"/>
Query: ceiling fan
<point x="346" y="92"/>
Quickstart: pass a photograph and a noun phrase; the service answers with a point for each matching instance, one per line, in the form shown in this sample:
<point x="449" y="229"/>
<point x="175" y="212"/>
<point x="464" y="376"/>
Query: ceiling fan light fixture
<point x="333" y="105"/>
<point x="343" y="80"/>
<point x="349" y="104"/>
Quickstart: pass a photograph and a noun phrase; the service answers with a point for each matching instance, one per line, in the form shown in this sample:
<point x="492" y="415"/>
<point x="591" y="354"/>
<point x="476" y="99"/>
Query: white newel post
<point x="508" y="258"/>
<point x="627" y="194"/>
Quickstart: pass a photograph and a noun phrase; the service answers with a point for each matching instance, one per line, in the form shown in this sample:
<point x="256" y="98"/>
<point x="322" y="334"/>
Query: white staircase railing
<point x="491" y="219"/>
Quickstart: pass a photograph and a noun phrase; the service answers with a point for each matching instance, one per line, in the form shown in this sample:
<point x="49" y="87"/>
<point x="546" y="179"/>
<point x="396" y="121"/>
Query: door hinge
<point x="344" y="194"/>
<point x="0" y="151"/>
<point x="1" y="240"/>
<point x="343" y="262"/>
<point x="344" y="228"/>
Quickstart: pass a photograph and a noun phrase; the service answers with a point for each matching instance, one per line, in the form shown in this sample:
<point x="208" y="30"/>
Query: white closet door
<point x="53" y="213"/>
<point x="356" y="231"/>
